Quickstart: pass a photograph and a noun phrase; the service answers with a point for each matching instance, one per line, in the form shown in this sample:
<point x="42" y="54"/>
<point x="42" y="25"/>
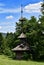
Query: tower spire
<point x="22" y="19"/>
<point x="21" y="10"/>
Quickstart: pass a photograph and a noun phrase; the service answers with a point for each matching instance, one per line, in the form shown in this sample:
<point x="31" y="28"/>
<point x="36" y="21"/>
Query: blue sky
<point x="10" y="12"/>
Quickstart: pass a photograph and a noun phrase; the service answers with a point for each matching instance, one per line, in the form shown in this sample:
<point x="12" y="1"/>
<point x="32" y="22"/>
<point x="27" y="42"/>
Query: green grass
<point x="4" y="60"/>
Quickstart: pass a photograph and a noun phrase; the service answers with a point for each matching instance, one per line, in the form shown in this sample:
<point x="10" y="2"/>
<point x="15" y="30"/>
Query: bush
<point x="7" y="52"/>
<point x="13" y="56"/>
<point x="25" y="56"/>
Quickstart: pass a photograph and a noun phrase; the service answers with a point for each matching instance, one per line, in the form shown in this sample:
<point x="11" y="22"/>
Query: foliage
<point x="1" y="42"/>
<point x="7" y="52"/>
<point x="34" y="30"/>
<point x="42" y="7"/>
<point x="25" y="56"/>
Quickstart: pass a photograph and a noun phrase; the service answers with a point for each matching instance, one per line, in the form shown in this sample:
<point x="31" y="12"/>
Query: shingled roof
<point x="21" y="47"/>
<point x="22" y="35"/>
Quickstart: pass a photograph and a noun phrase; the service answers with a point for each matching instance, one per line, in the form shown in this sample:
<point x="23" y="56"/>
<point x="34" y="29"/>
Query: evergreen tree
<point x="42" y="7"/>
<point x="1" y="42"/>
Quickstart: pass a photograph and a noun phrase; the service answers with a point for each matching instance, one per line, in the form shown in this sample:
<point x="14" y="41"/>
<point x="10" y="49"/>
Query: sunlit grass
<point x="4" y="60"/>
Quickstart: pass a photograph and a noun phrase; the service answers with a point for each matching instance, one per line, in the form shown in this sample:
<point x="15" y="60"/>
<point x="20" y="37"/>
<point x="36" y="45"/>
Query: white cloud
<point x="5" y="10"/>
<point x="9" y="17"/>
<point x="0" y="27"/>
<point x="33" y="7"/>
<point x="7" y="26"/>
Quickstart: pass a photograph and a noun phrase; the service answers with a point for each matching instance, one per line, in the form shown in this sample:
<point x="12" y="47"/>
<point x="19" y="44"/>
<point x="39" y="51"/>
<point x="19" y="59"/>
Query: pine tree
<point x="42" y="7"/>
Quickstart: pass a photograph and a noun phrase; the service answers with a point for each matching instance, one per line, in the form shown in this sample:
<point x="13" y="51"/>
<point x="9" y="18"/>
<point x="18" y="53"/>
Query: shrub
<point x="25" y="56"/>
<point x="7" y="52"/>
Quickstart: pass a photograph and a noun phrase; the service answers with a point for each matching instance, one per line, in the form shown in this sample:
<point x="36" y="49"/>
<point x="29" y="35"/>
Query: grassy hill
<point x="4" y="60"/>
